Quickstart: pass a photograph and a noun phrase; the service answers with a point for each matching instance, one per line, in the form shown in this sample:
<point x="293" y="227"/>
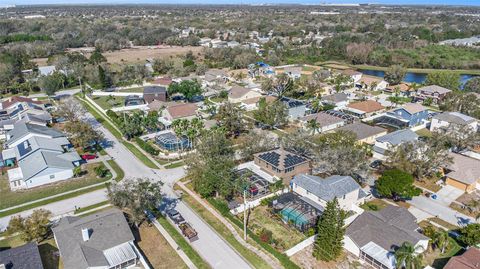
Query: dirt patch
<point x="157" y="250"/>
<point x="305" y="260"/>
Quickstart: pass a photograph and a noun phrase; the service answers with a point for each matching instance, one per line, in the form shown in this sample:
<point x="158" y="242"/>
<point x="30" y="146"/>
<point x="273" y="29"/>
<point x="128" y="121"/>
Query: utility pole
<point x="245" y="214"/>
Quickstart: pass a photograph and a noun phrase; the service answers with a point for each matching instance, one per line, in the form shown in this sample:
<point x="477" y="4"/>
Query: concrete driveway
<point x="448" y="194"/>
<point x="438" y="209"/>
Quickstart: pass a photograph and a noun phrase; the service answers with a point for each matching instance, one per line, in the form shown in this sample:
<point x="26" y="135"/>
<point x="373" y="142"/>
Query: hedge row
<point x="147" y="147"/>
<point x="222" y="207"/>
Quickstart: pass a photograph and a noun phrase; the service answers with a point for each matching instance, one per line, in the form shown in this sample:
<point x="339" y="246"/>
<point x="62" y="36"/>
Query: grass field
<point x="157" y="250"/>
<point x="9" y="198"/>
<point x="374" y="205"/>
<point x="175" y="165"/>
<point x="117" y="169"/>
<point x="142" y="157"/>
<point x="109" y="102"/>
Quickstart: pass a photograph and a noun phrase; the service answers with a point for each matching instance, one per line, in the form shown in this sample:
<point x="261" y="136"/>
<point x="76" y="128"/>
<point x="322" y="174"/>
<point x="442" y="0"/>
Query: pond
<point x="411" y="77"/>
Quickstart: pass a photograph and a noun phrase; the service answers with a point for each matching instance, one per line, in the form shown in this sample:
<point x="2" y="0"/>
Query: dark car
<point x="375" y="164"/>
<point x="175" y="216"/>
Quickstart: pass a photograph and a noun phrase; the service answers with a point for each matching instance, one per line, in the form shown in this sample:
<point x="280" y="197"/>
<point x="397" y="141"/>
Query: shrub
<point x="147" y="147"/>
<point x="101" y="171"/>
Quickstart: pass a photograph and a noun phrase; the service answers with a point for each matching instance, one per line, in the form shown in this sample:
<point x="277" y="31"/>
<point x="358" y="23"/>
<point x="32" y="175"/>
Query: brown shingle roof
<point x="237" y="92"/>
<point x="413" y="108"/>
<point x="182" y="110"/>
<point x="367" y="106"/>
<point x="323" y="119"/>
<point x="468" y="260"/>
<point x="464" y="169"/>
<point x="15" y="99"/>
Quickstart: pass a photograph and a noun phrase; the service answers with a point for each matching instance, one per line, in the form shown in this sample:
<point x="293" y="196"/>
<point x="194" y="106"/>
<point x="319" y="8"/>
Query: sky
<point x="395" y="2"/>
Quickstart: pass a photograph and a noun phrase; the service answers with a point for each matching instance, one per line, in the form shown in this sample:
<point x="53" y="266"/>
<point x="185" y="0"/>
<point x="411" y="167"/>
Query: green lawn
<point x="183" y="244"/>
<point x="10" y="198"/>
<point x="175" y="165"/>
<point x="424" y="133"/>
<point x="133" y="90"/>
<point x="117" y="169"/>
<point x="374" y="205"/>
<point x="144" y="159"/>
<point x="108" y="102"/>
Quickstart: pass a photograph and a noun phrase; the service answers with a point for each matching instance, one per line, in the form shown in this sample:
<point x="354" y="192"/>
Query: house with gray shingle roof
<point x="22" y="257"/>
<point x="41" y="155"/>
<point x="374" y="235"/>
<point x="325" y="122"/>
<point x="456" y="120"/>
<point x="434" y="92"/>
<point x="101" y="240"/>
<point x="389" y="142"/>
<point x="322" y="190"/>
<point x="463" y="173"/>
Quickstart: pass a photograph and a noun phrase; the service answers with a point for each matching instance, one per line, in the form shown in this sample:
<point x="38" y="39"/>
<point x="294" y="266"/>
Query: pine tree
<point x="328" y="244"/>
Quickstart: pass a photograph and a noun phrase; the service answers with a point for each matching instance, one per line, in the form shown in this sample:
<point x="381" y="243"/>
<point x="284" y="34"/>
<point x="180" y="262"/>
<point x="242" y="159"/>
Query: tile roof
<point x="269" y="99"/>
<point x="388" y="228"/>
<point x="402" y="87"/>
<point x="463" y="168"/>
<point x="362" y="130"/>
<point x="182" y="110"/>
<point x="327" y="188"/>
<point x="455" y="117"/>
<point x="323" y="119"/>
<point x="22" y="257"/>
<point x="398" y="137"/>
<point x="470" y="259"/>
<point x="367" y="106"/>
<point x="369" y="80"/>
<point x="108" y="229"/>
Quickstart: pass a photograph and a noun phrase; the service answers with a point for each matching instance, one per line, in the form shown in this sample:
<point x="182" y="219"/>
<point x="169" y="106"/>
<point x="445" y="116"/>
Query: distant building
<point x="151" y="93"/>
<point x="179" y="111"/>
<point x="389" y="142"/>
<point x="456" y="120"/>
<point x="325" y="121"/>
<point x="282" y="163"/>
<point x="22" y="257"/>
<point x="370" y="83"/>
<point x="408" y="115"/>
<point x="436" y="93"/>
<point x="100" y="240"/>
<point x="374" y="235"/>
<point x="293" y="72"/>
<point x="296" y="108"/>
<point x="339" y="100"/>
<point x="365" y="133"/>
<point x="353" y="74"/>
<point x="134" y="100"/>
<point x="364" y="109"/>
<point x="402" y="89"/>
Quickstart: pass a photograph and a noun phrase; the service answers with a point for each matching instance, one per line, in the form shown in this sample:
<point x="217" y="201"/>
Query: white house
<point x="374" y="235"/>
<point x="354" y="75"/>
<point x="456" y="120"/>
<point x="323" y="190"/>
<point x="238" y="94"/>
<point x="389" y="142"/>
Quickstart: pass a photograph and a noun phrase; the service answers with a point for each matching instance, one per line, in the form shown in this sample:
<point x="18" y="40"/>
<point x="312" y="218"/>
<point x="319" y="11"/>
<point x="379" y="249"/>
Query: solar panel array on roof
<point x="292" y="160"/>
<point x="24" y="148"/>
<point x="272" y="158"/>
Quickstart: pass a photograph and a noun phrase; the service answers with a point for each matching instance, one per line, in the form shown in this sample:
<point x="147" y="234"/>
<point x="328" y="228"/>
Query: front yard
<point x="9" y="198"/>
<point x="270" y="227"/>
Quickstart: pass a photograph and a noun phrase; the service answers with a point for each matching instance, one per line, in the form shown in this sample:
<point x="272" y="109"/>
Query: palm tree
<point x="407" y="257"/>
<point x="314" y="126"/>
<point x="441" y="240"/>
<point x="316" y="105"/>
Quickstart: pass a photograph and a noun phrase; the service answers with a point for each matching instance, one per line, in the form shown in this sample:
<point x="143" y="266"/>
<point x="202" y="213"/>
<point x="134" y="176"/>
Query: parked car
<point x="375" y="164"/>
<point x="87" y="157"/>
<point x="188" y="231"/>
<point x="175" y="216"/>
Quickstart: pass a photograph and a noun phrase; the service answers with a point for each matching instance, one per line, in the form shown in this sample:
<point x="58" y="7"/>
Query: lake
<point x="411" y="77"/>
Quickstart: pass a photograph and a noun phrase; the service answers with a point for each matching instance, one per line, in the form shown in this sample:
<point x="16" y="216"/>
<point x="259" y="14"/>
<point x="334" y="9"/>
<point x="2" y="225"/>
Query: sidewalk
<point x="273" y="263"/>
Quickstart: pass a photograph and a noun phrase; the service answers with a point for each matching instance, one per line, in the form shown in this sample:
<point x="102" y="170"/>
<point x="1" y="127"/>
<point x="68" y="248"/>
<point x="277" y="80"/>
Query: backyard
<point x="10" y="198"/>
<point x="261" y="221"/>
<point x="109" y="102"/>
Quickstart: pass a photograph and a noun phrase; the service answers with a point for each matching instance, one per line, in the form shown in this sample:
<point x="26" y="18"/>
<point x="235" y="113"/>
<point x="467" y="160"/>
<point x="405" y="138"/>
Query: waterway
<point x="411" y="77"/>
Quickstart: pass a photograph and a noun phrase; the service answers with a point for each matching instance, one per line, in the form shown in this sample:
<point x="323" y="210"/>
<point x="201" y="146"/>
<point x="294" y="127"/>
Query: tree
<point x="313" y="126"/>
<point x="279" y="86"/>
<point x="446" y="79"/>
<point x="188" y="88"/>
<point x="470" y="234"/>
<point x="230" y="117"/>
<point x="466" y="103"/>
<point x="34" y="227"/>
<point x="82" y="134"/>
<point x="70" y="109"/>
<point x="255" y="142"/>
<point x="406" y="256"/>
<point x="104" y="78"/>
<point x="97" y="57"/>
<point x="340" y="82"/>
<point x="441" y="240"/>
<point x="472" y="85"/>
<point x="272" y="115"/>
<point x="52" y="83"/>
<point x="162" y="66"/>
<point x="328" y="244"/>
<point x="135" y="195"/>
<point x="394" y="183"/>
<point x="395" y="73"/>
<point x="211" y="166"/>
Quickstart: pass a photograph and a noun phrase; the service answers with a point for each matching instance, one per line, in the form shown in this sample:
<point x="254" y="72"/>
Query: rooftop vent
<point x="86" y="234"/>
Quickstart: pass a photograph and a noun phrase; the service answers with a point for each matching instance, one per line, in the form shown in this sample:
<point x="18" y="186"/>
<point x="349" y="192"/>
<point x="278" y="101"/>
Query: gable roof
<point x="281" y="158"/>
<point x="41" y="160"/>
<point x="237" y="92"/>
<point x="367" y="106"/>
<point x="21" y="129"/>
<point x="412" y="108"/>
<point x="22" y="257"/>
<point x="388" y="228"/>
<point x="323" y="119"/>
<point x="464" y="169"/>
<point x="402" y="87"/>
<point x="16" y="99"/>
<point x="108" y="229"/>
<point x="362" y="130"/>
<point x="336" y="98"/>
<point x="470" y="259"/>
<point x="182" y="110"/>
<point x="327" y="188"/>
<point x="455" y="117"/>
<point x="431" y="89"/>
<point x="369" y="80"/>
<point x="154" y="90"/>
<point x="398" y="137"/>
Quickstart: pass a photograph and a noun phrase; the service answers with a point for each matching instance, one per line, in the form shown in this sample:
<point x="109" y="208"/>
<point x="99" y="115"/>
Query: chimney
<point x="85" y="234"/>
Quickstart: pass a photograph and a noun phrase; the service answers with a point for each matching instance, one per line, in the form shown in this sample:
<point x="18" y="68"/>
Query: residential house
<point x="134" y="100"/>
<point x="365" y="133"/>
<point x="178" y="111"/>
<point x="238" y="94"/>
<point x="370" y="83"/>
<point x="215" y="76"/>
<point x="282" y="163"/>
<point x="339" y="100"/>
<point x="294" y="72"/>
<point x="323" y="190"/>
<point x="409" y="115"/>
<point x="463" y="173"/>
<point x="436" y="93"/>
<point x="470" y="259"/>
<point x="402" y="89"/>
<point x="42" y="155"/>
<point x="22" y="257"/>
<point x="364" y="109"/>
<point x="326" y="122"/>
<point x="389" y="142"/>
<point x="46" y="70"/>
<point x="100" y="240"/>
<point x="163" y="81"/>
<point x="353" y="74"/>
<point x="375" y="235"/>
<point x="296" y="108"/>
<point x="456" y="120"/>
<point x="151" y="93"/>
<point x="252" y="103"/>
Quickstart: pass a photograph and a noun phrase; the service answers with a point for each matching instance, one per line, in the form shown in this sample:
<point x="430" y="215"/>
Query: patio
<point x="299" y="211"/>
